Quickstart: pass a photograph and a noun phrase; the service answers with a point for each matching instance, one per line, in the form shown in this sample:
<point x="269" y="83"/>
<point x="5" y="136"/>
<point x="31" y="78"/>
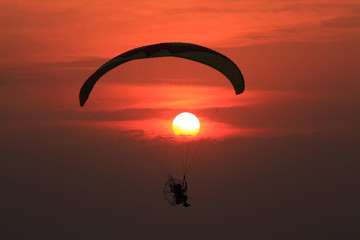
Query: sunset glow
<point x="280" y="160"/>
<point x="186" y="124"/>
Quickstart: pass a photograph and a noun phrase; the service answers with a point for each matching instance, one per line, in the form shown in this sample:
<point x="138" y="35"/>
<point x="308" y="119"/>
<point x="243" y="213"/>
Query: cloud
<point x="51" y="30"/>
<point x="75" y="62"/>
<point x="352" y="22"/>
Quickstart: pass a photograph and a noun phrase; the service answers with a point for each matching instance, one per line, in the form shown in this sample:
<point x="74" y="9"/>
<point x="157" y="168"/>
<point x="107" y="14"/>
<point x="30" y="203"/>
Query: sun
<point x="186" y="124"/>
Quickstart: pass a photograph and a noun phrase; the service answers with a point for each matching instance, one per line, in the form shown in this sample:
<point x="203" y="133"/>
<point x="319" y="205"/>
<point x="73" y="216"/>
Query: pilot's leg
<point x="185" y="204"/>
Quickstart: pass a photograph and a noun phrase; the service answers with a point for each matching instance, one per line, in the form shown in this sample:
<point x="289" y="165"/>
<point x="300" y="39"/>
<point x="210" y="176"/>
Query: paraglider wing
<point x="182" y="50"/>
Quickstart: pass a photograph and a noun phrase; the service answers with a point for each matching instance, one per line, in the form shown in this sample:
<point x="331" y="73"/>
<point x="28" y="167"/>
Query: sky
<point x="280" y="160"/>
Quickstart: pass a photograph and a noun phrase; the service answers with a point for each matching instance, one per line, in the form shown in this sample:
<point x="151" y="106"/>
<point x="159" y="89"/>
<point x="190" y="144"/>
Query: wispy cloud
<point x="31" y="31"/>
<point x="352" y="22"/>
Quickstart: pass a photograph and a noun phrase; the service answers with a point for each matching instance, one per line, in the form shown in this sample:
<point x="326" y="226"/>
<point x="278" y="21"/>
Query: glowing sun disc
<point x="186" y="124"/>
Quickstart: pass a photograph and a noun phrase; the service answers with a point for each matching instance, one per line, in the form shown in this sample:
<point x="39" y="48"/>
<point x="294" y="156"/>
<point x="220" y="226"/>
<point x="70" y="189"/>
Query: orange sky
<point x="299" y="59"/>
<point x="286" y="50"/>
<point x="299" y="115"/>
<point x="72" y="30"/>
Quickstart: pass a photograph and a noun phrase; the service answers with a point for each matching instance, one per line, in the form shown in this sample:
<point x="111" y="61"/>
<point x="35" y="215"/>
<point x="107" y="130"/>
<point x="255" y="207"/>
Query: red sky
<point x="298" y="117"/>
